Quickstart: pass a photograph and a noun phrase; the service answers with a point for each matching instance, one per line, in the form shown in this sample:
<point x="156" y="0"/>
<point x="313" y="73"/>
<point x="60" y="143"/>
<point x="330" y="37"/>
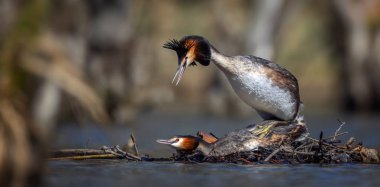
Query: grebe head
<point x="181" y="143"/>
<point x="190" y="49"/>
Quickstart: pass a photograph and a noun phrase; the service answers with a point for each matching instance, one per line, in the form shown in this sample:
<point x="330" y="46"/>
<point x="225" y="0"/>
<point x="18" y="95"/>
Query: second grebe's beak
<point x="181" y="69"/>
<point x="167" y="142"/>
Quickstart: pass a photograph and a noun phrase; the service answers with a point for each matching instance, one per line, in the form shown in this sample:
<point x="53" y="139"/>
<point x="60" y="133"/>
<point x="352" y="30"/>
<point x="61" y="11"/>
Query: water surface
<point x="123" y="173"/>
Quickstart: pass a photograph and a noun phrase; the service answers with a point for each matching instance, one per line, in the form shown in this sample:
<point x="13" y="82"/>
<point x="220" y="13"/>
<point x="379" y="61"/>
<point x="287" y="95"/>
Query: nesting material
<point x="295" y="146"/>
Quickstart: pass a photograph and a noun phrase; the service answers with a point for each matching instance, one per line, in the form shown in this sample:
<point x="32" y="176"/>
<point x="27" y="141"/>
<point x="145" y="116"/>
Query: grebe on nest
<point x="265" y="133"/>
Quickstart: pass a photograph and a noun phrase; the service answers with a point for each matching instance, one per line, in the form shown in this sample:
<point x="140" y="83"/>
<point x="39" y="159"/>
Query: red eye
<point x="177" y="139"/>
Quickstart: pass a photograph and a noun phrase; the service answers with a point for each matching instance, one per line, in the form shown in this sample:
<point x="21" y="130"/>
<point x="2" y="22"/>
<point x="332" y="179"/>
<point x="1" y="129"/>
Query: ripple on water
<point x="122" y="173"/>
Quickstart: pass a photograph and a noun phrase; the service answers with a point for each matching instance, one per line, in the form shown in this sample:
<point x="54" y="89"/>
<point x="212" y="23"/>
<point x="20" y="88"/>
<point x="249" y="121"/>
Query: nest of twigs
<point x="322" y="150"/>
<point x="311" y="151"/>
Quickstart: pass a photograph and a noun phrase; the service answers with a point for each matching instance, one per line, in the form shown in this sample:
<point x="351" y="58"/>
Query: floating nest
<point x="323" y="151"/>
<point x="291" y="144"/>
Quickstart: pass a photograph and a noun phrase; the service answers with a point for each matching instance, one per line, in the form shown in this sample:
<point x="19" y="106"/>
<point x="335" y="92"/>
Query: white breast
<point x="258" y="91"/>
<point x="254" y="87"/>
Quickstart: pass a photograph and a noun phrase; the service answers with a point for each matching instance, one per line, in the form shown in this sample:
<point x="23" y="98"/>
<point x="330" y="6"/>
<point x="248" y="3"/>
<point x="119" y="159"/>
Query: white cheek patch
<point x="177" y="144"/>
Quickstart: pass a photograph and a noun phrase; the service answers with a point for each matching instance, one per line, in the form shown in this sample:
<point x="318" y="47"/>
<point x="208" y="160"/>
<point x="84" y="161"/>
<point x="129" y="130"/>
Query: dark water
<point x="151" y="127"/>
<point x="122" y="173"/>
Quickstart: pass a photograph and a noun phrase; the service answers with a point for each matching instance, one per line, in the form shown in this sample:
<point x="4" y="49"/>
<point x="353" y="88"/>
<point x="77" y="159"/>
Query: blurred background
<point x="88" y="73"/>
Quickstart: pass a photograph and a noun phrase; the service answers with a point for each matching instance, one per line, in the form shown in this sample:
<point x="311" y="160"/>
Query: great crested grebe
<point x="267" y="87"/>
<point x="262" y="134"/>
<point x="247" y="139"/>
<point x="187" y="144"/>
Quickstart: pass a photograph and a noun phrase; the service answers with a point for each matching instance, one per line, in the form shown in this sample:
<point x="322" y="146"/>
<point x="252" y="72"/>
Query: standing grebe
<point x="267" y="87"/>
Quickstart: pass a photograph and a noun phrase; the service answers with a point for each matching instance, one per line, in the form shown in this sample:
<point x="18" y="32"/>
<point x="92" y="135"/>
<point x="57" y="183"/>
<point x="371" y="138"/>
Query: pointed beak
<point x="163" y="141"/>
<point x="180" y="70"/>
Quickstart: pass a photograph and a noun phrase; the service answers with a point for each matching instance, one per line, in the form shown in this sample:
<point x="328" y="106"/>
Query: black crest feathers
<point x="201" y="48"/>
<point x="175" y="45"/>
